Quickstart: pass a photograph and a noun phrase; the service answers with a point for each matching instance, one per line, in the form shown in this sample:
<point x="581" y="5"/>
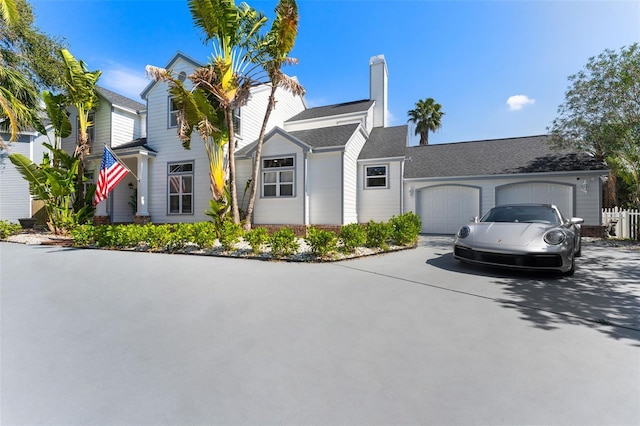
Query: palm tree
<point x="232" y="30"/>
<point x="80" y="91"/>
<point x="427" y="117"/>
<point x="198" y="112"/>
<point x="9" y="11"/>
<point x="18" y="102"/>
<point x="276" y="47"/>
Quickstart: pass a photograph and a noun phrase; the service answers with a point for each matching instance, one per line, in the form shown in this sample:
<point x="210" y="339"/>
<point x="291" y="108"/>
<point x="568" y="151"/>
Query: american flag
<point x="111" y="173"/>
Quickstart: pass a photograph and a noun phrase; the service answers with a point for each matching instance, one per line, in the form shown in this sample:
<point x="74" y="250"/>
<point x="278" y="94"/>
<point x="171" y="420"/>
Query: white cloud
<point x="517" y="102"/>
<point x="124" y="81"/>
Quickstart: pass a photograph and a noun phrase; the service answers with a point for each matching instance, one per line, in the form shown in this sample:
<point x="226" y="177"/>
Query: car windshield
<point x="522" y="214"/>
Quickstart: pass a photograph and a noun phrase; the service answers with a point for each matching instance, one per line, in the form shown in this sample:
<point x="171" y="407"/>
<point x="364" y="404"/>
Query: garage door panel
<point x="443" y="209"/>
<point x="538" y="192"/>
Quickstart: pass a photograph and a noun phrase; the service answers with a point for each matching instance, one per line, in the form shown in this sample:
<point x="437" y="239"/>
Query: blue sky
<point x="499" y="68"/>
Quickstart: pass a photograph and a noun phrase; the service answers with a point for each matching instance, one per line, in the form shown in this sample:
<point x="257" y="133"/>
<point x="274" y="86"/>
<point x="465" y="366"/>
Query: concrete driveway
<point x="112" y="338"/>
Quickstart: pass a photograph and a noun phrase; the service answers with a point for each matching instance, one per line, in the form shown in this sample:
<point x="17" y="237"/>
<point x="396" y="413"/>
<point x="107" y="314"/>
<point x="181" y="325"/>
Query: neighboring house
<point x="15" y="200"/>
<point x="331" y="165"/>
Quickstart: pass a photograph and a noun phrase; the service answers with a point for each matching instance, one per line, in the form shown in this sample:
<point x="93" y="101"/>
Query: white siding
<point x="350" y="178"/>
<point x="123" y="127"/>
<point x="586" y="204"/>
<point x="324" y="188"/>
<point x="252" y="114"/>
<point x="102" y="124"/>
<point x="15" y="200"/>
<point x="380" y="204"/>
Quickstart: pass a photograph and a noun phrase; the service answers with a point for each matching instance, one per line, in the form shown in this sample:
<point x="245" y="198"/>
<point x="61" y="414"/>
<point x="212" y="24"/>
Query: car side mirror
<point x="475" y="219"/>
<point x="576" y="220"/>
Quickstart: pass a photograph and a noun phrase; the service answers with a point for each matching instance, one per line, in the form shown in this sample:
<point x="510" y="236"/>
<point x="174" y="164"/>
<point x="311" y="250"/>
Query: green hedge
<point x="402" y="230"/>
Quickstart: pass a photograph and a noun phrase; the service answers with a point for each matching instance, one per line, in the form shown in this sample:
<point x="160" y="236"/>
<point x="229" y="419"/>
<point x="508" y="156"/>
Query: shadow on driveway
<point x="603" y="294"/>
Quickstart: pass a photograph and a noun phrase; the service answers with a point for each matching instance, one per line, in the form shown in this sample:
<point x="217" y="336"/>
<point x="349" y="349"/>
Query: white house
<point x="15" y="200"/>
<point x="331" y="165"/>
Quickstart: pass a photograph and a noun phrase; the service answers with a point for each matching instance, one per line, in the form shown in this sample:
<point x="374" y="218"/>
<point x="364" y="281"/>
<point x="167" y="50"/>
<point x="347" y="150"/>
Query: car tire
<point x="579" y="250"/>
<point x="571" y="271"/>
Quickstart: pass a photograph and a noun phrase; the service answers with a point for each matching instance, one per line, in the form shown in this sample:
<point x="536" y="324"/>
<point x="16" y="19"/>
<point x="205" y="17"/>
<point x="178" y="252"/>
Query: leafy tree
<point x="427" y="116"/>
<point x="275" y="48"/>
<point x="80" y="91"/>
<point x="27" y="50"/>
<point x="601" y="113"/>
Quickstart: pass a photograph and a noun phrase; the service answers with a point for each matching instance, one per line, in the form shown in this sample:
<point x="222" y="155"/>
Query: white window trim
<point x="180" y="194"/>
<point x="386" y="176"/>
<point x="171" y="113"/>
<point x="277" y="170"/>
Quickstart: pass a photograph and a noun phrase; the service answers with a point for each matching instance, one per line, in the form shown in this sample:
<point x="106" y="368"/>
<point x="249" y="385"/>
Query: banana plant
<point x="53" y="181"/>
<point x="80" y="91"/>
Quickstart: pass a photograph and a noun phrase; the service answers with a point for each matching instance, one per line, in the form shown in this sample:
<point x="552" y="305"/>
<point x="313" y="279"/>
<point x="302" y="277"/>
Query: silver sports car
<point x="523" y="236"/>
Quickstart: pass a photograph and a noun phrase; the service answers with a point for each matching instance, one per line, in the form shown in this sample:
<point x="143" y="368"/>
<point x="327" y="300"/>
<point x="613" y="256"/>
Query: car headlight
<point x="554" y="237"/>
<point x="464" y="232"/>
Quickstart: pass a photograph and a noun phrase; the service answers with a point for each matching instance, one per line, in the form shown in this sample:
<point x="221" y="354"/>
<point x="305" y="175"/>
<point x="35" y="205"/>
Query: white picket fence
<point x="622" y="223"/>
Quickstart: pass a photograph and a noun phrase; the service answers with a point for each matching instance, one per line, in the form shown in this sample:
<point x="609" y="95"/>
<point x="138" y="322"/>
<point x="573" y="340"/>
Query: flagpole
<point x="122" y="162"/>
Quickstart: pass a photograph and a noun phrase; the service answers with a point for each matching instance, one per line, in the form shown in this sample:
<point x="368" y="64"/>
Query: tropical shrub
<point x="7" y="228"/>
<point x="405" y="228"/>
<point x="204" y="234"/>
<point x="54" y="182"/>
<point x="257" y="239"/>
<point x="283" y="243"/>
<point x="352" y="236"/>
<point x="378" y="233"/>
<point x="230" y="234"/>
<point x="321" y="242"/>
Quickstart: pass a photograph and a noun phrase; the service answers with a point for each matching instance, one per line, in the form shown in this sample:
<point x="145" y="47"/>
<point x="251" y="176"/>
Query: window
<point x="278" y="176"/>
<point x="173" y="113"/>
<point x="180" y="188"/>
<point x="375" y="177"/>
<point x="236" y="121"/>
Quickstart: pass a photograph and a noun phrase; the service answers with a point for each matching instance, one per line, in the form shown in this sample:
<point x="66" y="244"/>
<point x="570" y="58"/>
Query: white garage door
<point x="444" y="209"/>
<point x="538" y="192"/>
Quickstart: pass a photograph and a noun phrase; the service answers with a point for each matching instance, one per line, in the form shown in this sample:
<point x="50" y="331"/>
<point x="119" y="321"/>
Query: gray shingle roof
<point x="494" y="157"/>
<point x="116" y="99"/>
<point x="325" y="137"/>
<point x="385" y="142"/>
<point x="331" y="110"/>
<point x="136" y="143"/>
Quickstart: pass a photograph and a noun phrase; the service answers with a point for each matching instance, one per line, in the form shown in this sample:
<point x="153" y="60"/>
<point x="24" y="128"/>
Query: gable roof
<point x="385" y="142"/>
<point x="115" y="99"/>
<point x="331" y="110"/>
<point x="323" y="138"/>
<point x="326" y="137"/>
<point x="531" y="154"/>
<point x="171" y="63"/>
